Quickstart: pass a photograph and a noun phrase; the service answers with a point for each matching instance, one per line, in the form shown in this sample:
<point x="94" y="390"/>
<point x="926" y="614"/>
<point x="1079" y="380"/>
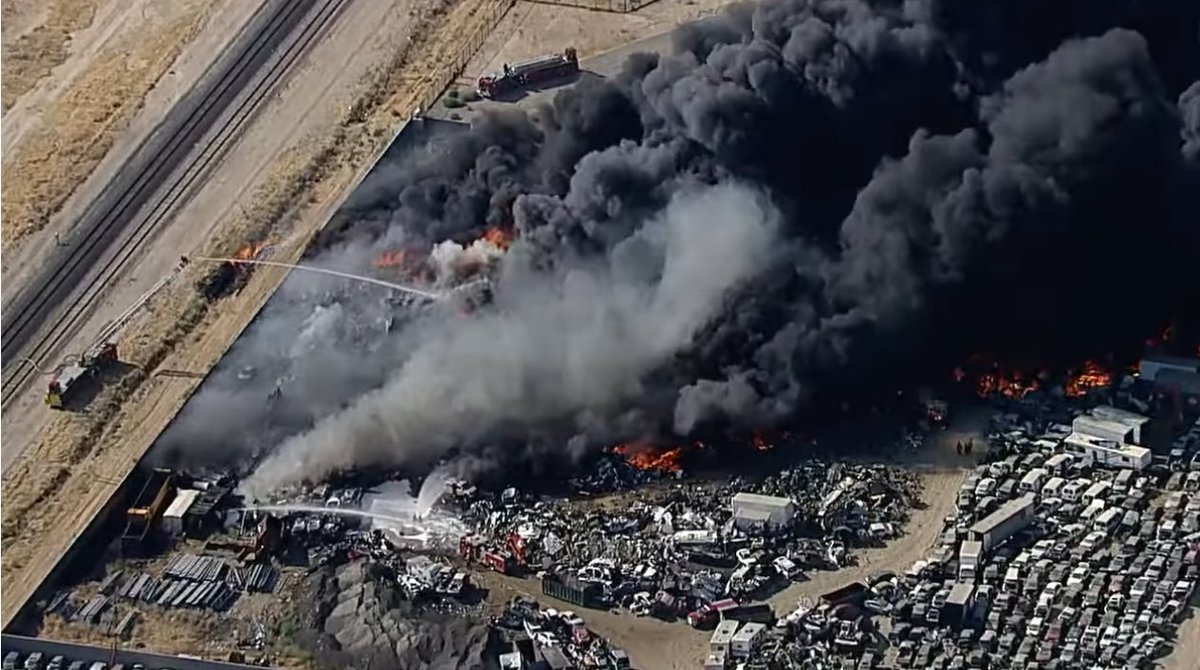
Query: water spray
<point x="320" y="509"/>
<point x="393" y="509"/>
<point x="428" y="295"/>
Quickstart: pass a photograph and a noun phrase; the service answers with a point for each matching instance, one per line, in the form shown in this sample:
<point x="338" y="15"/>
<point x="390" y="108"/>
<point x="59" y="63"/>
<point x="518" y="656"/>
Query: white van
<point x="1074" y="489"/>
<point x="1097" y="491"/>
<point x="1053" y="487"/>
<point x="1033" y="480"/>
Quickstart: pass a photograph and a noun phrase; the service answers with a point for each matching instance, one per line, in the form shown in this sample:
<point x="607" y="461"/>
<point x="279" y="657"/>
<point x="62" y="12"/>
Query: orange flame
<point x="1010" y="384"/>
<point x="1090" y="377"/>
<point x="391" y="259"/>
<point x="761" y="443"/>
<point x="499" y="237"/>
<point x="250" y="251"/>
<point x="651" y="458"/>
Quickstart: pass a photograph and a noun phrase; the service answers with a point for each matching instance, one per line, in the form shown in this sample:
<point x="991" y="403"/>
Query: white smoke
<point x="573" y="344"/>
<point x="453" y="262"/>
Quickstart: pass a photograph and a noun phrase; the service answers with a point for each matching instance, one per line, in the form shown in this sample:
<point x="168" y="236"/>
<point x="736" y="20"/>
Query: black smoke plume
<point x="809" y="199"/>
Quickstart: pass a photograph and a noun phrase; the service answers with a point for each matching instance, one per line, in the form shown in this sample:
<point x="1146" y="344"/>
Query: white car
<point x="1094" y="539"/>
<point x="1079" y="575"/>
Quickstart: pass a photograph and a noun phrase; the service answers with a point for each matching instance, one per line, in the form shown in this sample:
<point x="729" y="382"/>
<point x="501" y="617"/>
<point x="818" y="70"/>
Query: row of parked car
<point x="40" y="661"/>
<point x="1100" y="577"/>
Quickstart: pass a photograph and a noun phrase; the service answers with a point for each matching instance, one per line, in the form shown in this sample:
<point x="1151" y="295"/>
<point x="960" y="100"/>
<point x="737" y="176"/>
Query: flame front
<point x="391" y="259"/>
<point x="250" y="251"/>
<point x="1091" y="376"/>
<point x="1010" y="384"/>
<point x="498" y="237"/>
<point x="651" y="458"/>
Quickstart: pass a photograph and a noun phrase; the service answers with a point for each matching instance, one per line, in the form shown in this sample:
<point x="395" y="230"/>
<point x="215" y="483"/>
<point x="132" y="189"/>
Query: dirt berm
<point x="356" y="617"/>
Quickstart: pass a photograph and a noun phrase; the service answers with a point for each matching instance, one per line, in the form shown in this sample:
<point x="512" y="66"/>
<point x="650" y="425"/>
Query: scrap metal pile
<point x="674" y="550"/>
<point x="560" y="638"/>
<point x="613" y="472"/>
<point x="203" y="582"/>
<point x="189" y="581"/>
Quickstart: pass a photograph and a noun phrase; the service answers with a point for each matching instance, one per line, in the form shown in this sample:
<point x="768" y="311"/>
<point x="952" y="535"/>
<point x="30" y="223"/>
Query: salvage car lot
<point x="1099" y="577"/>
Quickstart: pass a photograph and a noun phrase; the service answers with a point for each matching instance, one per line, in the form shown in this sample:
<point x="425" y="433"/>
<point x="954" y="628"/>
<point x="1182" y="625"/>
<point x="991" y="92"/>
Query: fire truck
<point x="508" y="560"/>
<point x="101" y="353"/>
<point x="69" y="376"/>
<point x="527" y="73"/>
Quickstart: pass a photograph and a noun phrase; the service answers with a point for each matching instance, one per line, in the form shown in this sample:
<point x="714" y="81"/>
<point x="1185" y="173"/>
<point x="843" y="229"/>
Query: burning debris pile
<point x="994" y="379"/>
<point x="694" y="247"/>
<point x="229" y="276"/>
<point x="1091" y="376"/>
<point x="628" y="466"/>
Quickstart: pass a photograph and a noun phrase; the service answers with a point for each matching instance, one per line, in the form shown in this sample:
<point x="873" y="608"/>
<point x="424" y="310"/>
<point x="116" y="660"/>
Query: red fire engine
<point x="527" y="73"/>
<point x="473" y="548"/>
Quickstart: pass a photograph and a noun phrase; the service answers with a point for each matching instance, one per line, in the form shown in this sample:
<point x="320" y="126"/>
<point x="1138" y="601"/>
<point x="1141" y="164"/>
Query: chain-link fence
<point x="616" y="6"/>
<point x="471" y="43"/>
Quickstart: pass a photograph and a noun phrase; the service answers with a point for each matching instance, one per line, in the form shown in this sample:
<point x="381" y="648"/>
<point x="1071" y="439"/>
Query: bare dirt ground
<point x="35" y="40"/>
<point x="603" y="41"/>
<point x="532" y="29"/>
<point x="26" y="258"/>
<point x="379" y="63"/>
<point x="1186" y="653"/>
<point x="201" y="633"/>
<point x="80" y="79"/>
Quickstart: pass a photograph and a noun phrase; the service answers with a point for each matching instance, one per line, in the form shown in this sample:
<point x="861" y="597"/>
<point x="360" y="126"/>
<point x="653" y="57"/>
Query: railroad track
<point x="160" y="176"/>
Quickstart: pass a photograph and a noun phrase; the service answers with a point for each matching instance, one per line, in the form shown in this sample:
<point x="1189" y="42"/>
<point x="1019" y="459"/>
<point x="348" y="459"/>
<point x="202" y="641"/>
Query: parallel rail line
<point x="56" y="298"/>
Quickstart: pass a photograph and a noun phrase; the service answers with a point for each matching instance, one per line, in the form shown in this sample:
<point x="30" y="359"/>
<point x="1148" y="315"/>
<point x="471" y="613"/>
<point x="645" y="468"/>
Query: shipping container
<point x="570" y="590"/>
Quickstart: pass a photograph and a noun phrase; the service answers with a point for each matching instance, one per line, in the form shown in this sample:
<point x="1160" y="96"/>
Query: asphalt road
<point x="90" y="654"/>
<point x="145" y="189"/>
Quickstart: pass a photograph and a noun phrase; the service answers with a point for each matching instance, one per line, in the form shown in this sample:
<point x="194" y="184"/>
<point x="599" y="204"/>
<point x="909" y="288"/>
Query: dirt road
<point x="1186" y="653"/>
<point x="282" y="180"/>
<point x="656" y="645"/>
<point x="80" y="84"/>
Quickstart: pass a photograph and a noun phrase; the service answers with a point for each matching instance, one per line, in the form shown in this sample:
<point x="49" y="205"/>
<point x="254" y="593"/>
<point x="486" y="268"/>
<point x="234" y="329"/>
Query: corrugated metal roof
<point x="1100" y="427"/>
<point x="761" y="500"/>
<point x="756" y="515"/>
<point x="724" y="632"/>
<point x="749" y="632"/>
<point x="1121" y="415"/>
<point x="183" y="500"/>
<point x="1180" y="361"/>
<point x="960" y="594"/>
<point x="1187" y="381"/>
<point x="1006" y="511"/>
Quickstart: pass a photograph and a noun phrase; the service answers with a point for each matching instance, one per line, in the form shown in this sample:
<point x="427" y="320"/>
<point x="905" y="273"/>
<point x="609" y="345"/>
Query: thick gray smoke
<point x="576" y="344"/>
<point x="812" y="201"/>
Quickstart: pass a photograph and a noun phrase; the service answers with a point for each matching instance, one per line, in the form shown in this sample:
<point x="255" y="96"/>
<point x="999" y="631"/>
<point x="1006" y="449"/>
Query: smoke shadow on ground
<point x="524" y="92"/>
